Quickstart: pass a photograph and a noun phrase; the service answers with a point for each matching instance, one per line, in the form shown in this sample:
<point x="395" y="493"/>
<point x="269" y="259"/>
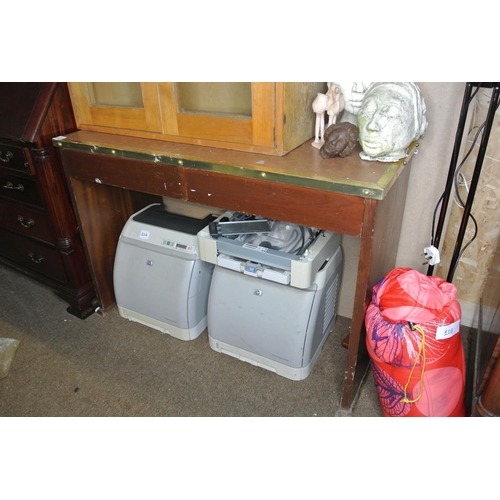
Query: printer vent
<point x="330" y="303"/>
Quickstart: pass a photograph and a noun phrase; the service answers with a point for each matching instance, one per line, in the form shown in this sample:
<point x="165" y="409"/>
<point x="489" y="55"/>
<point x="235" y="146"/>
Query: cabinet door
<point x="231" y="112"/>
<point x="116" y="105"/>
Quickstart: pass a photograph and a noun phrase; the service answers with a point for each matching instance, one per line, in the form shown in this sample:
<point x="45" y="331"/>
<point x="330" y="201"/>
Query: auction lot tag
<point x="447" y="331"/>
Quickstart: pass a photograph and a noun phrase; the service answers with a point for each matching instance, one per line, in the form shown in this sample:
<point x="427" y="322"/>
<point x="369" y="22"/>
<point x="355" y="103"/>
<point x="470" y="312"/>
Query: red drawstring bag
<point x="416" y="352"/>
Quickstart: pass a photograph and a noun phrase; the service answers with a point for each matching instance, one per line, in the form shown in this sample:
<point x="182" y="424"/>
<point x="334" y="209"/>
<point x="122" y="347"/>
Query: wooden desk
<point x="348" y="196"/>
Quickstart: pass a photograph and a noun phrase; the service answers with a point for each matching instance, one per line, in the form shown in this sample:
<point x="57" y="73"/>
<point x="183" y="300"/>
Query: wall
<point x="427" y="181"/>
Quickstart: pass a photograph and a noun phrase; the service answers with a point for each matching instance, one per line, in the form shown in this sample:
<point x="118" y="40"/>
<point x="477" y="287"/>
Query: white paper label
<point x="447" y="331"/>
<point x="255" y="247"/>
<point x="144" y="234"/>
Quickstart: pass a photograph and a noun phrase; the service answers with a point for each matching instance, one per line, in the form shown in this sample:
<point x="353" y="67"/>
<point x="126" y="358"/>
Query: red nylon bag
<point x="415" y="348"/>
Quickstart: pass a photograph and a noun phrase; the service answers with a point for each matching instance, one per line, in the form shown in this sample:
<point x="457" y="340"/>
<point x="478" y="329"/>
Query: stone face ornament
<point x="353" y="93"/>
<point x="391" y="117"/>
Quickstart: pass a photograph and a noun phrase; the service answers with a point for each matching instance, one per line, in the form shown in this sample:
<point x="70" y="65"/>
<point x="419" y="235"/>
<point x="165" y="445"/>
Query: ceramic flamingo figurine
<point x="319" y="106"/>
<point x="335" y="104"/>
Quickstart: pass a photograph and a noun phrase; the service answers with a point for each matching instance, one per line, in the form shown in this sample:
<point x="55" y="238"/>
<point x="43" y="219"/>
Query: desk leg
<point x="380" y="235"/>
<point x="102" y="212"/>
<point x="357" y="357"/>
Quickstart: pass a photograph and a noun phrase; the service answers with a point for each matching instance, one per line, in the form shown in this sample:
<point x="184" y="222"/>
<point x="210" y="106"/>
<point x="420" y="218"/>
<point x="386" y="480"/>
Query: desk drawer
<point x="335" y="212"/>
<point x="19" y="189"/>
<point x="31" y="255"/>
<point x="13" y="157"/>
<point x="145" y="177"/>
<point x="25" y="221"/>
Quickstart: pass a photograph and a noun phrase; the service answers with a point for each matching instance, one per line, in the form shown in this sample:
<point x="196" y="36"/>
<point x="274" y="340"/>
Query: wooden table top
<point x="303" y="166"/>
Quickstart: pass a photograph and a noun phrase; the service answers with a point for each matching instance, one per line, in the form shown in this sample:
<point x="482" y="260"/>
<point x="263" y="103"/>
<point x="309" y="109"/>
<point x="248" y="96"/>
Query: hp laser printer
<point x="272" y="300"/>
<point x="159" y="279"/>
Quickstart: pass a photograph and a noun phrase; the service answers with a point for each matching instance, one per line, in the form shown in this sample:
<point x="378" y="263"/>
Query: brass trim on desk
<point x="347" y="186"/>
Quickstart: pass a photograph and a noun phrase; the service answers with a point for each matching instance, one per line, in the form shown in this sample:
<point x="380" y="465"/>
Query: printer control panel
<point x="174" y="245"/>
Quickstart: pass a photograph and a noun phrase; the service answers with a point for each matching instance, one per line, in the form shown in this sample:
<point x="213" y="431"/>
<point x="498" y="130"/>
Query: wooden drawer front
<point x="336" y="212"/>
<point x="13" y="157"/>
<point x="31" y="255"/>
<point x="25" y="221"/>
<point x="152" y="178"/>
<point x="19" y="189"/>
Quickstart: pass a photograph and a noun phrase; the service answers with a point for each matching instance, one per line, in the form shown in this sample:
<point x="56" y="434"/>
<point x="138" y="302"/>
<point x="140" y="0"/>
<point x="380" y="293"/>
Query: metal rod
<point x="475" y="179"/>
<point x="451" y="171"/>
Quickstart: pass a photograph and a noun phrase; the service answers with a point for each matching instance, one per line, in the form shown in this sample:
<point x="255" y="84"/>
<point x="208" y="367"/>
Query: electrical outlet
<point x="431" y="255"/>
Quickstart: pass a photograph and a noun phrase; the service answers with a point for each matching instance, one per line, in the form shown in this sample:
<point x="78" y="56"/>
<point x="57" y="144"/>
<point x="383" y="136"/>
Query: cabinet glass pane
<point x="227" y="98"/>
<point x="116" y="94"/>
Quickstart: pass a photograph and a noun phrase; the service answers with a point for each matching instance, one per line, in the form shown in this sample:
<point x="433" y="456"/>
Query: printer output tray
<point x="295" y="269"/>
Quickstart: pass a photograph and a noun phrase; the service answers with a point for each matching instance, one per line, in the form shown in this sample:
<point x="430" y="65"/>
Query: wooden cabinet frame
<point x="39" y="233"/>
<point x="281" y="120"/>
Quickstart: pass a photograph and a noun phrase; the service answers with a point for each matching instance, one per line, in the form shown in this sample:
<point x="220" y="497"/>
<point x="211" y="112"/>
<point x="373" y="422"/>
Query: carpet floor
<point x="109" y="366"/>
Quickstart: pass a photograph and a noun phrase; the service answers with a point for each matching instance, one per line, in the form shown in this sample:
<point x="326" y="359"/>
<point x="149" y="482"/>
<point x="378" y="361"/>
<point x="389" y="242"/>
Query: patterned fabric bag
<point x="416" y="352"/>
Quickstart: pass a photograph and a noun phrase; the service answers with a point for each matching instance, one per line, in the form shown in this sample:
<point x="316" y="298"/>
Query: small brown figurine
<point x="340" y="140"/>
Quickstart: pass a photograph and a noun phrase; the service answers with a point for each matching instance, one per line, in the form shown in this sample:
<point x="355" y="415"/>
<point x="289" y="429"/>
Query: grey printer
<point x="273" y="296"/>
<point x="159" y="279"/>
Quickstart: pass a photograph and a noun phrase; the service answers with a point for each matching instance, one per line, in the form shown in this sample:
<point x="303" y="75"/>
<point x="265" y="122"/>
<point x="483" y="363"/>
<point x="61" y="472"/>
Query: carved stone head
<point x="391" y="117"/>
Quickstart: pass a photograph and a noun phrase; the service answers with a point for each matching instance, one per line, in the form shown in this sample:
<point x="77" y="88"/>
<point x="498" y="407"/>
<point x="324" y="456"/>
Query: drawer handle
<point x="9" y="185"/>
<point x="8" y="156"/>
<point x="36" y="260"/>
<point x="29" y="223"/>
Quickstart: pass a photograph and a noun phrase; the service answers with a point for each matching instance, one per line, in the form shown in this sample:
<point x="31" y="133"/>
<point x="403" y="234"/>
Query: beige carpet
<point x="109" y="366"/>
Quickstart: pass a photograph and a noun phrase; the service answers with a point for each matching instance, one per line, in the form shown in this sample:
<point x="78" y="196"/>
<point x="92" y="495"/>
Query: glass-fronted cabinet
<point x="269" y="117"/>
<point x="119" y="106"/>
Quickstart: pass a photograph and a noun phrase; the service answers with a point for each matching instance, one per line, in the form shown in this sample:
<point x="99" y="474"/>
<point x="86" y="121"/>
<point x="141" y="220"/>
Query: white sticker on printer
<point x="447" y="331"/>
<point x="144" y="234"/>
<point x="255" y="247"/>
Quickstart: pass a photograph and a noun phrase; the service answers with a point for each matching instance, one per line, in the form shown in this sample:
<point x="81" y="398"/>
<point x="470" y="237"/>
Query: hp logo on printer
<point x="257" y="292"/>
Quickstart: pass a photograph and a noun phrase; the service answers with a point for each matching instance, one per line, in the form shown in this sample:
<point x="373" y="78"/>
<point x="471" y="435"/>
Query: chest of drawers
<point x="39" y="233"/>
